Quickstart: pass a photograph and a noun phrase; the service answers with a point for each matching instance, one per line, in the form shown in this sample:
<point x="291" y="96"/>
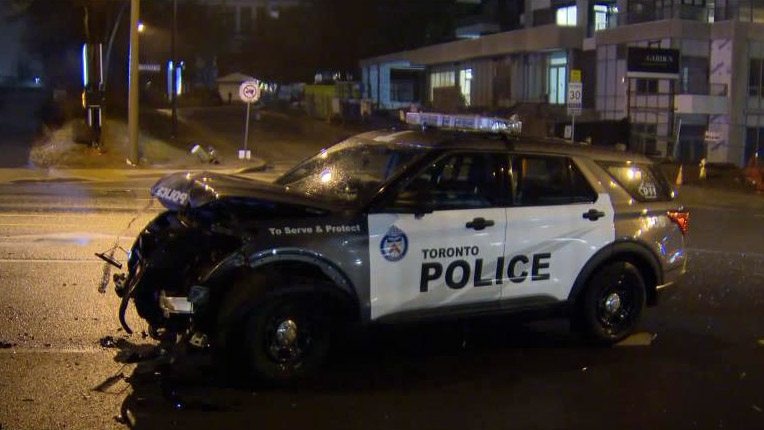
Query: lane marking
<point x="33" y="260"/>
<point x="44" y="350"/>
<point x="722" y="252"/>
<point x="34" y="214"/>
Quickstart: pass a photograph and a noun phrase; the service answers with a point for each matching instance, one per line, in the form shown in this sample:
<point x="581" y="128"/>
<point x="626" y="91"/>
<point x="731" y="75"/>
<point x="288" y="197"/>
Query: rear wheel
<point x="287" y="338"/>
<point x="612" y="304"/>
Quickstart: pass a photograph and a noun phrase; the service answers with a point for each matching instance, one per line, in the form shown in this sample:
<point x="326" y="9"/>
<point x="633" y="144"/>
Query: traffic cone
<point x="702" y="174"/>
<point x="679" y="176"/>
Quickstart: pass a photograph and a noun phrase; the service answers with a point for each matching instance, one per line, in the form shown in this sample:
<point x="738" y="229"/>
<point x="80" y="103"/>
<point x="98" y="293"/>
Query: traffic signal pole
<point x="174" y="80"/>
<point x="134" y="84"/>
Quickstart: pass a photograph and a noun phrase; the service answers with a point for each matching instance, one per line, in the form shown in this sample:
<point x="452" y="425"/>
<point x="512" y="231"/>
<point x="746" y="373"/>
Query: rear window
<point x="644" y="182"/>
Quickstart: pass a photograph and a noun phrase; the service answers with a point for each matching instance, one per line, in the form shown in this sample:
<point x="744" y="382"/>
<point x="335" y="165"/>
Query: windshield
<point x="351" y="170"/>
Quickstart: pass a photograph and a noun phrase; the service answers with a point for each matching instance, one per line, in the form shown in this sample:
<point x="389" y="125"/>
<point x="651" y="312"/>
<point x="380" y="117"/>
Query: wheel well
<point x="309" y="279"/>
<point x="244" y="287"/>
<point x="636" y="256"/>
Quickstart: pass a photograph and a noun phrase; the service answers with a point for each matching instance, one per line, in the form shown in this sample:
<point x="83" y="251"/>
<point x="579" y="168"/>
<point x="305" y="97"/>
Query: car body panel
<point x="355" y="245"/>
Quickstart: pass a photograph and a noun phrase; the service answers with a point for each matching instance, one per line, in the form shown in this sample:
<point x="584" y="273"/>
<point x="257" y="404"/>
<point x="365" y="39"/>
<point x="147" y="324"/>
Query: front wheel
<point x="287" y="338"/>
<point x="612" y="303"/>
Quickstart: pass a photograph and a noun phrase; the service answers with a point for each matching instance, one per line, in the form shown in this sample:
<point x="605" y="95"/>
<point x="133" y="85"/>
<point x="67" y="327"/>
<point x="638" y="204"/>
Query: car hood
<point x="180" y="191"/>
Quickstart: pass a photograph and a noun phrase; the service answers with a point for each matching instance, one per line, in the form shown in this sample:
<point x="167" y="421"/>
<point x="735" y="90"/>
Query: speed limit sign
<point x="574" y="100"/>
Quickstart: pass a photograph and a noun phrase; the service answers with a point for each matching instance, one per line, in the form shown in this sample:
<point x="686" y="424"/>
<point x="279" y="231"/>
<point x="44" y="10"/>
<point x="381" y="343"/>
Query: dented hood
<point x="180" y="191"/>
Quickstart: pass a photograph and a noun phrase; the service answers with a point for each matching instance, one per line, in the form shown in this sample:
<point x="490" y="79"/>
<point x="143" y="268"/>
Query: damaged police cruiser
<point x="454" y="217"/>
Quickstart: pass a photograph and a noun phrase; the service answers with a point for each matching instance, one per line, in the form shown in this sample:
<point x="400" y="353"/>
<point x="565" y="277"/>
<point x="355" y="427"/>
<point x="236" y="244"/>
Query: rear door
<point x="428" y="262"/>
<point x="557" y="222"/>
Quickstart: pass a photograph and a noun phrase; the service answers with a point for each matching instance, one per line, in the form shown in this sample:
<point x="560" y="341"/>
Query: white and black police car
<point x="452" y="220"/>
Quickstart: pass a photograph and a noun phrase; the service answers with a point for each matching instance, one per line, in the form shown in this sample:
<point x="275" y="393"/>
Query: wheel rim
<point x="288" y="337"/>
<point x="617" y="306"/>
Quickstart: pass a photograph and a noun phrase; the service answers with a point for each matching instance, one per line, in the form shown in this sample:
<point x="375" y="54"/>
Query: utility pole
<point x="174" y="95"/>
<point x="134" y="84"/>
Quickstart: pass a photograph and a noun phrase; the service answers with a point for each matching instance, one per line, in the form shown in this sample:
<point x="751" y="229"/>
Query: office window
<point x="245" y="19"/>
<point x="557" y="73"/>
<point x="754" y="143"/>
<point x="566" y="16"/>
<point x="441" y="80"/>
<point x="754" y="77"/>
<point x="647" y="86"/>
<point x="465" y="85"/>
<point x="602" y="15"/>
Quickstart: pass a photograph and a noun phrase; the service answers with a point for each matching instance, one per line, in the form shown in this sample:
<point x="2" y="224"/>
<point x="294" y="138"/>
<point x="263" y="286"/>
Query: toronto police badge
<point x="394" y="244"/>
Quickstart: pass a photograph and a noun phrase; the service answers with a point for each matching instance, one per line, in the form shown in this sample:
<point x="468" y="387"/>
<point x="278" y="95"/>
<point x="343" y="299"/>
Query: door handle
<point x="479" y="223"/>
<point x="593" y="214"/>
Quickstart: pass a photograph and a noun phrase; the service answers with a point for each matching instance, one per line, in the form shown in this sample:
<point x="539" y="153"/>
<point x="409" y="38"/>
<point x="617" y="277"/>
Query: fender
<point x="622" y="246"/>
<point x="237" y="260"/>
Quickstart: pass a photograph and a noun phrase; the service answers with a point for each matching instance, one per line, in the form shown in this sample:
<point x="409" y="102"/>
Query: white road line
<point x="41" y="260"/>
<point x="722" y="252"/>
<point x="38" y="224"/>
<point x="43" y="350"/>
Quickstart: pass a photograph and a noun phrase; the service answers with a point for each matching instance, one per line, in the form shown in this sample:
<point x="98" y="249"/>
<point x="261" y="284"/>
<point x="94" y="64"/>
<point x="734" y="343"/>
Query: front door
<point x="425" y="262"/>
<point x="556" y="224"/>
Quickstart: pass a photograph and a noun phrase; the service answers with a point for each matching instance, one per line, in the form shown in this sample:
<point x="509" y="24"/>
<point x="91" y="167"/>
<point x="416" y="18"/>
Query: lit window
<point x="557" y="77"/>
<point x="465" y="83"/>
<point x="600" y="17"/>
<point x="441" y="80"/>
<point x="566" y="16"/>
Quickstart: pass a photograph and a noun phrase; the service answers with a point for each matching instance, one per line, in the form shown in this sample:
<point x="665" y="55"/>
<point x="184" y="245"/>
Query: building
<point x="241" y="16"/>
<point x="687" y="74"/>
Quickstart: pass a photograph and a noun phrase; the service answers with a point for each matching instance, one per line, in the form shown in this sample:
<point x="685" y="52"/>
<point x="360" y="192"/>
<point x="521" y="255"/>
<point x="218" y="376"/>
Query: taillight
<point x="680" y="218"/>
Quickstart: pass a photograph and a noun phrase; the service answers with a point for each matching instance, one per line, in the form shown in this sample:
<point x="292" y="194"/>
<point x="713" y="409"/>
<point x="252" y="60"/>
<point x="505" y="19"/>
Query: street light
<point x="141" y="27"/>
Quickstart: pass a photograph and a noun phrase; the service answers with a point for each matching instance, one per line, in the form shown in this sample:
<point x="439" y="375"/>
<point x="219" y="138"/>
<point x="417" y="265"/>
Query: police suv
<point x="453" y="217"/>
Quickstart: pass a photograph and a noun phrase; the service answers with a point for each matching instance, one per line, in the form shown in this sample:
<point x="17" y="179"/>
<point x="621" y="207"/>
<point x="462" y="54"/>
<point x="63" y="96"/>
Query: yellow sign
<point x="575" y="75"/>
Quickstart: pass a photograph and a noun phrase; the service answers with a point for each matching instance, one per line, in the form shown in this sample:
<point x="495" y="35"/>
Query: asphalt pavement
<point x="698" y="361"/>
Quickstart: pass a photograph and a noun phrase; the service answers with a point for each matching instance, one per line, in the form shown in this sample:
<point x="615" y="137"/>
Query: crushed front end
<point x="171" y="253"/>
<point x="210" y="219"/>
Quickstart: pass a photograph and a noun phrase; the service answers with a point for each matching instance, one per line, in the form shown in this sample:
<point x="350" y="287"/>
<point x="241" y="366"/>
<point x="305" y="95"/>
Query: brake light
<point x="680" y="218"/>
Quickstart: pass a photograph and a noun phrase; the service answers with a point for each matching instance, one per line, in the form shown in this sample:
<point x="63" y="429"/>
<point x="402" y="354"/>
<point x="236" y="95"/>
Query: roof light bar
<point x="472" y="123"/>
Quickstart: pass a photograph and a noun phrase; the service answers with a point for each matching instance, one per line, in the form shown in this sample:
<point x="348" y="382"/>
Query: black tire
<point x="612" y="303"/>
<point x="286" y="338"/>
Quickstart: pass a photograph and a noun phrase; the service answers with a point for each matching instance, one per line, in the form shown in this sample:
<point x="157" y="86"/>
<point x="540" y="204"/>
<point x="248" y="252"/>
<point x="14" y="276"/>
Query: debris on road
<point x="108" y="342"/>
<point x="639" y="339"/>
<point x="109" y="382"/>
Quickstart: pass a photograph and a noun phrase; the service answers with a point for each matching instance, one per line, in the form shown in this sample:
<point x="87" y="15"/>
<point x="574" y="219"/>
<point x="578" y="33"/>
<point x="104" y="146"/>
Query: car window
<point x="459" y="181"/>
<point x="547" y="180"/>
<point x="644" y="182"/>
<point x="351" y="170"/>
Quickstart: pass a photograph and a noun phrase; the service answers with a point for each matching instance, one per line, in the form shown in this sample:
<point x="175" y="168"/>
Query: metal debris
<point x="639" y="339"/>
<point x="108" y="342"/>
<point x="109" y="382"/>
